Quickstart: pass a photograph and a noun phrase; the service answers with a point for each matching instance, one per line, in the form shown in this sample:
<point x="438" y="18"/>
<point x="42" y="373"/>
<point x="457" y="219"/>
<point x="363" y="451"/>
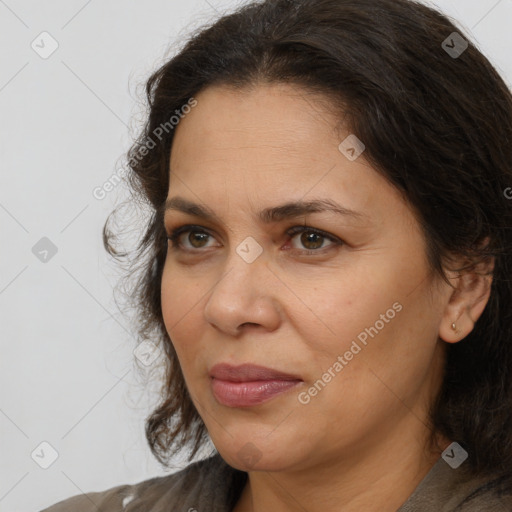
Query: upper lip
<point x="248" y="372"/>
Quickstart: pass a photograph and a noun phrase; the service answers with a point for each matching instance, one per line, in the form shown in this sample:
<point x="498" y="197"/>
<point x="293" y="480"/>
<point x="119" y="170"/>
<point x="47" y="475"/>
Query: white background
<point x="67" y="372"/>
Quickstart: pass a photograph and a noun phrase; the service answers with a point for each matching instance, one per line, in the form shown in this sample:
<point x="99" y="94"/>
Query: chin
<point x="251" y="454"/>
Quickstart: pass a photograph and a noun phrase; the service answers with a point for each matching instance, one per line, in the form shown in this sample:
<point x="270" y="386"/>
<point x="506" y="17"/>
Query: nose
<point x="244" y="295"/>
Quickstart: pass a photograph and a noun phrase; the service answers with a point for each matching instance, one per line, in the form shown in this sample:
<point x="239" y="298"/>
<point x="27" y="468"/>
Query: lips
<point x="248" y="385"/>
<point x="248" y="372"/>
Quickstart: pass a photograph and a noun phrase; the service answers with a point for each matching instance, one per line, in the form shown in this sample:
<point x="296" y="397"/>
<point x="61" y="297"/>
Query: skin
<point x="361" y="442"/>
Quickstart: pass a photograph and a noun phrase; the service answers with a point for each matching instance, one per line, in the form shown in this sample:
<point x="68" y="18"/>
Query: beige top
<point x="211" y="485"/>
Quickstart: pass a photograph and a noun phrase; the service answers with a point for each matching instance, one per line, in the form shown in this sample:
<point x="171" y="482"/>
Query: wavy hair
<point x="437" y="126"/>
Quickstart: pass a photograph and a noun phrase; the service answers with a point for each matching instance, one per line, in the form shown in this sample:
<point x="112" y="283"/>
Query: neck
<point x="379" y="478"/>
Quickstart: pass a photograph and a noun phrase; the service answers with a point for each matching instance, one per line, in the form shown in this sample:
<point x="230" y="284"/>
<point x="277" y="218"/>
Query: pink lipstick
<point x="248" y="385"/>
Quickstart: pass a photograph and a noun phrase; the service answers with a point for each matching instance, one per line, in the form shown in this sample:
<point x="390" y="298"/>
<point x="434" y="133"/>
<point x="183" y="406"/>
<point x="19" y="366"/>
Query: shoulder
<point x="208" y="482"/>
<point x="493" y="495"/>
<point x="448" y="490"/>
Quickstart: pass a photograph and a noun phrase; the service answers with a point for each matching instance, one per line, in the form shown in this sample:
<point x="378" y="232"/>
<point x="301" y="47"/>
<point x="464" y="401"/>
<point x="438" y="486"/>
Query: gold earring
<point x="454" y="327"/>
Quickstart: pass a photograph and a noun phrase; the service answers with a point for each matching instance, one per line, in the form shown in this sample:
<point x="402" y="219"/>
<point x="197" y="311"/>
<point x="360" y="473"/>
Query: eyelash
<point x="175" y="234"/>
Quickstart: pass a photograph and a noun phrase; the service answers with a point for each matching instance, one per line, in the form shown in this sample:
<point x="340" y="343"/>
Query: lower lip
<point x="247" y="394"/>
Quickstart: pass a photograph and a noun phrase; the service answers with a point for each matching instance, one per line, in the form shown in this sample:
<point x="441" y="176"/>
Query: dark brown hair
<point x="437" y="126"/>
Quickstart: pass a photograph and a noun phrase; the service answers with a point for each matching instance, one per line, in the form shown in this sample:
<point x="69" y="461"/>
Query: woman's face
<point x="344" y="306"/>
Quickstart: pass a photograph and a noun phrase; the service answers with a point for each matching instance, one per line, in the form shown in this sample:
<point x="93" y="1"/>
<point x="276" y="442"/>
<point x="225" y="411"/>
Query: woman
<point x="327" y="265"/>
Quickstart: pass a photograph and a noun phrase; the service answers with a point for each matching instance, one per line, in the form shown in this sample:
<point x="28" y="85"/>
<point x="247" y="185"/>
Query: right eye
<point x="197" y="238"/>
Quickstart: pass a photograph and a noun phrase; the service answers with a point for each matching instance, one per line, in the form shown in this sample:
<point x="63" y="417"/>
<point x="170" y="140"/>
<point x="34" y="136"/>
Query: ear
<point x="471" y="292"/>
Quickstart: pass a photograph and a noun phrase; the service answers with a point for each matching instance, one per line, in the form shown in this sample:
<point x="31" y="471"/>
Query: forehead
<point x="267" y="145"/>
<point x="270" y="118"/>
<point x="272" y="131"/>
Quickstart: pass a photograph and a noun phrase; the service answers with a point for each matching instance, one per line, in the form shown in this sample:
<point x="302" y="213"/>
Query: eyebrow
<point x="274" y="214"/>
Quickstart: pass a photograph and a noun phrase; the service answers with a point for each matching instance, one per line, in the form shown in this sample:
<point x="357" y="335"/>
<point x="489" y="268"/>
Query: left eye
<point x="311" y="239"/>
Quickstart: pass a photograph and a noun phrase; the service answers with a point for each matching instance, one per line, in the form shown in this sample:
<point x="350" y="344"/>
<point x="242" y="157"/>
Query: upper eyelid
<point x="183" y="228"/>
<point x="321" y="232"/>
<point x="292" y="231"/>
<point x="296" y="227"/>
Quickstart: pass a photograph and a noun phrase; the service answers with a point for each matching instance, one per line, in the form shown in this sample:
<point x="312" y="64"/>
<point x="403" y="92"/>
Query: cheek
<point x="385" y="360"/>
<point x="181" y="311"/>
<point x="371" y="316"/>
<point x="338" y="308"/>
